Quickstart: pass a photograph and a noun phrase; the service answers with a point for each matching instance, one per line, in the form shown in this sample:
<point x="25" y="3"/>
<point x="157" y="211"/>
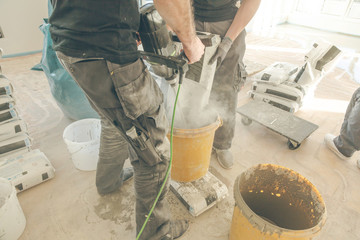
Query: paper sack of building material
<point x="276" y="73"/>
<point x="318" y="61"/>
<point x="12" y="129"/>
<point x="6" y="89"/>
<point x="290" y="85"/>
<point x="15" y="145"/>
<point x="26" y="170"/>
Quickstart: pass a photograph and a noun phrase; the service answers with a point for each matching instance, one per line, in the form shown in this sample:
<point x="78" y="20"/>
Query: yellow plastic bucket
<point x="192" y="152"/>
<point x="274" y="202"/>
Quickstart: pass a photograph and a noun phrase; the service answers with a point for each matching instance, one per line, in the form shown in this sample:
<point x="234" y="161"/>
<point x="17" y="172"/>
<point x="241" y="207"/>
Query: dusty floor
<point x="68" y="206"/>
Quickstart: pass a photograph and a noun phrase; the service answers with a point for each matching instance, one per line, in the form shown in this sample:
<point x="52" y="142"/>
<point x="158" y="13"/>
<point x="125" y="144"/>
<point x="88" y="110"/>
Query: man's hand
<point x="179" y="16"/>
<point x="221" y="51"/>
<point x="194" y="50"/>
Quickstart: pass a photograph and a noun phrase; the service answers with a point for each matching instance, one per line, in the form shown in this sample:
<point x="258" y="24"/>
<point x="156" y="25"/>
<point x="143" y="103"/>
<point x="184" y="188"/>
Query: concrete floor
<point x="68" y="207"/>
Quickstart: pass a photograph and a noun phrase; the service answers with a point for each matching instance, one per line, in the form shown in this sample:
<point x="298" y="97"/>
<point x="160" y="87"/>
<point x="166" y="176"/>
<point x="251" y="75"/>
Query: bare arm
<point x="243" y="16"/>
<point x="179" y="16"/>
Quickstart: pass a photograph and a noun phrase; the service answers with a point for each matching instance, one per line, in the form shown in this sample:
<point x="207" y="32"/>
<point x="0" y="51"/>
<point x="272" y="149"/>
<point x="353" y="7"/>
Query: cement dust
<point x="116" y="207"/>
<point x="179" y="114"/>
<point x="189" y="113"/>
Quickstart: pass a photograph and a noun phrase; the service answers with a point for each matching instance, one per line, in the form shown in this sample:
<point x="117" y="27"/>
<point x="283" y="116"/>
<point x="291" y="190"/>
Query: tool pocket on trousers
<point x="143" y="146"/>
<point x="137" y="91"/>
<point x="153" y="146"/>
<point x="158" y="126"/>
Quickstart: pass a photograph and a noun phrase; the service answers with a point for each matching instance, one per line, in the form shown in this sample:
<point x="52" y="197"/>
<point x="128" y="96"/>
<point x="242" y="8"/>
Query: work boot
<point x="224" y="157"/>
<point x="177" y="229"/>
<point x="329" y="141"/>
<point x="128" y="173"/>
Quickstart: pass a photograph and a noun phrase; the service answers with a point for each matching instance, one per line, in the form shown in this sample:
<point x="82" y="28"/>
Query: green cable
<point x="168" y="170"/>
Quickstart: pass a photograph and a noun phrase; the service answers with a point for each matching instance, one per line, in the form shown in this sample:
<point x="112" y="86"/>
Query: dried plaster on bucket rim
<point x="267" y="227"/>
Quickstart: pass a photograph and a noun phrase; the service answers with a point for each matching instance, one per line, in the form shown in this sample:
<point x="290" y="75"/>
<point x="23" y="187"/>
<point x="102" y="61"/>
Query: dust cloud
<point x="189" y="114"/>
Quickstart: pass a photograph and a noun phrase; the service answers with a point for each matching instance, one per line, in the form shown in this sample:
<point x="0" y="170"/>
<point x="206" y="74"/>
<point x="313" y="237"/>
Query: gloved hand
<point x="221" y="51"/>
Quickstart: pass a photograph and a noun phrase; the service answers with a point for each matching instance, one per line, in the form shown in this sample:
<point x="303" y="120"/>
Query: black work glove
<point x="221" y="51"/>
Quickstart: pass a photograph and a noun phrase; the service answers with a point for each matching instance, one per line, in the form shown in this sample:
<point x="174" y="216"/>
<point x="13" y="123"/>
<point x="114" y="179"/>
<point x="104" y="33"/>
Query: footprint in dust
<point x="218" y="229"/>
<point x="117" y="207"/>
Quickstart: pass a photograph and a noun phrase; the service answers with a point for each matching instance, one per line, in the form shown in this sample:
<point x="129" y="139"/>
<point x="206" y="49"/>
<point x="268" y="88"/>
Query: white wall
<point x="331" y="15"/>
<point x="20" y="21"/>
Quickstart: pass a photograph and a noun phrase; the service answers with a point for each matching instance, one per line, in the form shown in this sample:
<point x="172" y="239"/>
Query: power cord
<point x="170" y="162"/>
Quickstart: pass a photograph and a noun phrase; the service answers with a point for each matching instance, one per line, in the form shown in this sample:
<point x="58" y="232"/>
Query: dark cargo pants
<point x="348" y="141"/>
<point x="229" y="79"/>
<point x="112" y="155"/>
<point x="113" y="152"/>
<point x="130" y="99"/>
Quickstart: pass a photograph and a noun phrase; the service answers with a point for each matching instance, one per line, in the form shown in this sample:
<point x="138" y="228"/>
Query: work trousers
<point x="229" y="79"/>
<point x="130" y="99"/>
<point x="112" y="155"/>
<point x="348" y="141"/>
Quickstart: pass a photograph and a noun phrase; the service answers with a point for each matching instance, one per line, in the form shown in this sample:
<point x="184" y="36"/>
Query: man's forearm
<point x="179" y="16"/>
<point x="243" y="16"/>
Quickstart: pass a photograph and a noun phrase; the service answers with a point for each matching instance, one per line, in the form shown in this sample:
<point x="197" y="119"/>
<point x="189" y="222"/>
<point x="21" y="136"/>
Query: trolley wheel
<point x="293" y="145"/>
<point x="246" y="121"/>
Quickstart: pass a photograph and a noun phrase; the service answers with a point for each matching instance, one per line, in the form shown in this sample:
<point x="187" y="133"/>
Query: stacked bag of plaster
<point x="286" y="85"/>
<point x="275" y="85"/>
<point x="13" y="135"/>
<point x="320" y="60"/>
<point x="19" y="164"/>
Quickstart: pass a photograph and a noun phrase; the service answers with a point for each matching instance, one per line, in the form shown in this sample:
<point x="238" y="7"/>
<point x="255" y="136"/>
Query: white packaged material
<point x="318" y="61"/>
<point x="27" y="170"/>
<point x="8" y="116"/>
<point x="5" y="86"/>
<point x="322" y="55"/>
<point x="276" y="73"/>
<point x="12" y="129"/>
<point x="6" y="103"/>
<point x="288" y="91"/>
<point x="20" y="143"/>
<point x="200" y="195"/>
<point x="287" y="86"/>
<point x="281" y="103"/>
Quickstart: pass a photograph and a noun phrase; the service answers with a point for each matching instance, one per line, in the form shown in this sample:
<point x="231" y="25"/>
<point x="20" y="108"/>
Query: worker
<point x="348" y="142"/>
<point x="96" y="42"/>
<point x="224" y="18"/>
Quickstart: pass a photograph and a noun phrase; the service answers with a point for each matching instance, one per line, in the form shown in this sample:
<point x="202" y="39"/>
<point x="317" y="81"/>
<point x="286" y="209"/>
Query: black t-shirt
<point x="96" y="29"/>
<point x="214" y="10"/>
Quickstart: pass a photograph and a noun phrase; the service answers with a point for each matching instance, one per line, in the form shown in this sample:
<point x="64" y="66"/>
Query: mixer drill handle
<point x="179" y="63"/>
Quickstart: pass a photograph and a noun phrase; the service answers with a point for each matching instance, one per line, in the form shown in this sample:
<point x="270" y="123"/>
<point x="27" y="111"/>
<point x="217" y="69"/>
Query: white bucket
<point x="83" y="141"/>
<point x="12" y="219"/>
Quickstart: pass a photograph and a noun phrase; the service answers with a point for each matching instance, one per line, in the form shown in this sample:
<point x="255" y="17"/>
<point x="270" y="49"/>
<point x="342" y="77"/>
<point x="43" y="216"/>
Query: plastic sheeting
<point x="68" y="95"/>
